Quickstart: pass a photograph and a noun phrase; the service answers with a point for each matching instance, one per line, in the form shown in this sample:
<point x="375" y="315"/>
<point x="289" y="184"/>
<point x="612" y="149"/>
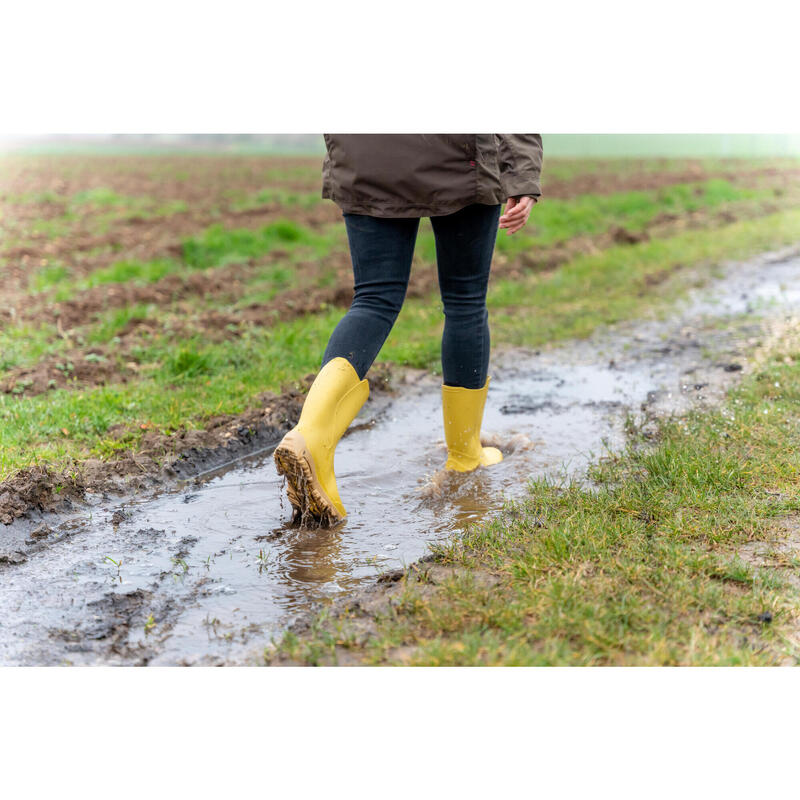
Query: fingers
<point x="520" y="212"/>
<point x="510" y="204"/>
<point x="524" y="205"/>
<point x="515" y="228"/>
<point x="517" y="208"/>
<point x="516" y="215"/>
<point x="512" y="219"/>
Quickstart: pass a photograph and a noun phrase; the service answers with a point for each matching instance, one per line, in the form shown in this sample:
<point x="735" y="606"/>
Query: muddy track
<point x="211" y="572"/>
<point x="352" y="621"/>
<point x="94" y="366"/>
<point x="160" y="457"/>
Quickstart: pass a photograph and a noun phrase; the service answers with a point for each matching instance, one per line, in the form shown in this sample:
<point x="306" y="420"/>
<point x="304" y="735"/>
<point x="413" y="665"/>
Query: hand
<point x="517" y="213"/>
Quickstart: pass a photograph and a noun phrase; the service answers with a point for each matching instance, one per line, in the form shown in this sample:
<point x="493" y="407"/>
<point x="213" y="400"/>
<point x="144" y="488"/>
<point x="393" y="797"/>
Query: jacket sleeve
<point x="519" y="157"/>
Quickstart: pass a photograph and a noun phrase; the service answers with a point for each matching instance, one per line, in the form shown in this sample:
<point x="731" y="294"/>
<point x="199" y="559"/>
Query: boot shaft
<point x="333" y="401"/>
<point x="462" y="410"/>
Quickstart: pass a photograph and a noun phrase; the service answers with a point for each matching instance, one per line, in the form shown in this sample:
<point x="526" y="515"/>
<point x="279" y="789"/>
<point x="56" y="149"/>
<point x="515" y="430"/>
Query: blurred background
<point x="566" y="145"/>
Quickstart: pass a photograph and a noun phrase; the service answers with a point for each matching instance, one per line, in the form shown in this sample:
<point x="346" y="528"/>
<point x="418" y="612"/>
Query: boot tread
<point x="308" y="498"/>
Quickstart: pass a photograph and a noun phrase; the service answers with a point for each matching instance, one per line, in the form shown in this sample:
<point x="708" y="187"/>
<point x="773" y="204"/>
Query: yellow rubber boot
<point x="305" y="455"/>
<point x="463" y="414"/>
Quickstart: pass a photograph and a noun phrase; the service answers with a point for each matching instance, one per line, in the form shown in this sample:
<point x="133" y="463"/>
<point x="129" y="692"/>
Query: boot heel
<point x="309" y="501"/>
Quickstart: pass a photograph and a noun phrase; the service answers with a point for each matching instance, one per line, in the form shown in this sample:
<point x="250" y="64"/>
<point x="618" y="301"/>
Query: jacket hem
<point x="409" y="211"/>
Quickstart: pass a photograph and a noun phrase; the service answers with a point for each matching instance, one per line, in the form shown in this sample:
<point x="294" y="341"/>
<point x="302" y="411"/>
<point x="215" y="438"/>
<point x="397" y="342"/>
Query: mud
<point x="92" y="367"/>
<point x="40" y="488"/>
<point x="211" y="570"/>
<point x="158" y="458"/>
<point x="161" y="458"/>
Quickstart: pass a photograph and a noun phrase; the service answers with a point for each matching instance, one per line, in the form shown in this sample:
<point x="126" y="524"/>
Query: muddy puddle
<point x="211" y="571"/>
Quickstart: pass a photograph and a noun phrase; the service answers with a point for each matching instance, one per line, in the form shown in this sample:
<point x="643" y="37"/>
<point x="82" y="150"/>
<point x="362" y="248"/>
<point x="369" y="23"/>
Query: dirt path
<point x="208" y="572"/>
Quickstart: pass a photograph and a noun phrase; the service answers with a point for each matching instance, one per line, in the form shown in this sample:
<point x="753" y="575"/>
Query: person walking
<point x="384" y="184"/>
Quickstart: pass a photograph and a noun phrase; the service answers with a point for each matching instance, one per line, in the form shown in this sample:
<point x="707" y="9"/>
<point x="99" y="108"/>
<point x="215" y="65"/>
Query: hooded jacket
<point x="428" y="174"/>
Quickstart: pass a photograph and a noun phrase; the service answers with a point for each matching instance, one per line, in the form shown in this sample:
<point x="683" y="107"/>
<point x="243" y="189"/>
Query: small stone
<point x="12" y="557"/>
<point x="40" y="531"/>
<point x="119" y="516"/>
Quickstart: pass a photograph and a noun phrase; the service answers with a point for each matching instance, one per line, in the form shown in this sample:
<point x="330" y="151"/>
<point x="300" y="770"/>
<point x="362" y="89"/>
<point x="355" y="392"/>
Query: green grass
<point x="23" y="345"/>
<point x="284" y="197"/>
<point x="641" y="569"/>
<point x="98" y="199"/>
<point x="215" y="247"/>
<point x="183" y="382"/>
<point x="103" y="197"/>
<point x="268" y="281"/>
<point x="558" y="220"/>
<point x="51" y="228"/>
<point x="553" y="221"/>
<point x="218" y="246"/>
<point x="58" y="281"/>
<point x="134" y="271"/>
<point x="50" y="275"/>
<point x="111" y="323"/>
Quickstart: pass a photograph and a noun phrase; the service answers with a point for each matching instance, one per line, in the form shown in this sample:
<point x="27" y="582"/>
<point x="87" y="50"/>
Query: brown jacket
<point x="428" y="174"/>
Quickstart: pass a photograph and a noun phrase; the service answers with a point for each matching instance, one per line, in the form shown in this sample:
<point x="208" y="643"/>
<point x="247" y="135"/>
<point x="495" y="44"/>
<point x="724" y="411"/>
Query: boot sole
<point x="309" y="501"/>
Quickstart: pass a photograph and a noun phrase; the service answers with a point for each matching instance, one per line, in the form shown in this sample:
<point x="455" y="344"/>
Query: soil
<point x="210" y="197"/>
<point x="95" y="366"/>
<point x="39" y="487"/>
<point x="648" y="180"/>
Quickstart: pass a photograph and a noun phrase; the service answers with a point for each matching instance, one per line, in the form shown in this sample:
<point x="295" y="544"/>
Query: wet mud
<point x="158" y="459"/>
<point x="209" y="570"/>
<point x="161" y="458"/>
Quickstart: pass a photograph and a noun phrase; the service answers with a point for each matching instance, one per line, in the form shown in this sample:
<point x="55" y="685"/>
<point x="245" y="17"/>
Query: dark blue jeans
<point x="381" y="251"/>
